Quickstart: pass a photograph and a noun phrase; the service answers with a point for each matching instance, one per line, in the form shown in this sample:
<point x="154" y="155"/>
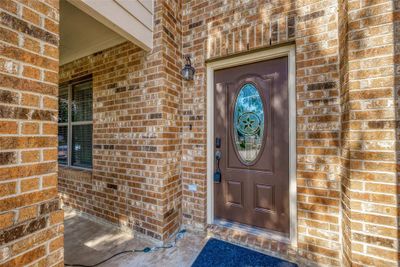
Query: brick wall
<point x="318" y="117"/>
<point x="346" y="154"/>
<point x="31" y="221"/>
<point x="219" y="28"/>
<point x="213" y="29"/>
<point x="370" y="204"/>
<point x="344" y="144"/>
<point x="396" y="38"/>
<point x="149" y="128"/>
<point x="136" y="132"/>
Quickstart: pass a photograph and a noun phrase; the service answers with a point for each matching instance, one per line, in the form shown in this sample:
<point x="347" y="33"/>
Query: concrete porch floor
<point x="88" y="242"/>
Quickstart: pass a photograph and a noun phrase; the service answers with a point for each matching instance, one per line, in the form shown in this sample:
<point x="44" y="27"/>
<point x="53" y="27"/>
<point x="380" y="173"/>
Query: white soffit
<point x="81" y="35"/>
<point x="132" y="19"/>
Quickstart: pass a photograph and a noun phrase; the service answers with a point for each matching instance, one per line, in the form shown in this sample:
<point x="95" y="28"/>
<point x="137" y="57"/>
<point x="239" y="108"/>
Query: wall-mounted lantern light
<point x="188" y="71"/>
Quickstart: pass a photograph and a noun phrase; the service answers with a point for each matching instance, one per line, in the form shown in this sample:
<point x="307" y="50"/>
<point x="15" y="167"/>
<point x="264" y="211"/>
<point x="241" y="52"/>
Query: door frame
<point x="267" y="54"/>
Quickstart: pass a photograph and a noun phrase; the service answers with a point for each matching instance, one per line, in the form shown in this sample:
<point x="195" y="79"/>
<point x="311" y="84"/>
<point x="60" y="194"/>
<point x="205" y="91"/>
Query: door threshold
<point x="263" y="233"/>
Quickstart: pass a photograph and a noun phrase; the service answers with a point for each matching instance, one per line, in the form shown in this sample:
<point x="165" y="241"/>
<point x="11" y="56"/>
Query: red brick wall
<point x="31" y="221"/>
<point x="136" y="139"/>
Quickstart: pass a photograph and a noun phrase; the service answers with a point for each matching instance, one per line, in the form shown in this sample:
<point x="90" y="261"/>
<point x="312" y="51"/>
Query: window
<point x="248" y="123"/>
<point x="75" y="125"/>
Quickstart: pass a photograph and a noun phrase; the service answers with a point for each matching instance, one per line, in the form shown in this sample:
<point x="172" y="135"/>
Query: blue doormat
<point x="220" y="253"/>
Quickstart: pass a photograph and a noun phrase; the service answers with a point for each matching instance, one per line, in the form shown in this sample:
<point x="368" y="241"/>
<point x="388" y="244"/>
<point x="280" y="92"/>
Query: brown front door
<point x="252" y="124"/>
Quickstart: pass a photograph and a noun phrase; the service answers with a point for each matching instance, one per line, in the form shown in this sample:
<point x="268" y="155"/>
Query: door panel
<point x="264" y="198"/>
<point x="235" y="193"/>
<point x="251" y="118"/>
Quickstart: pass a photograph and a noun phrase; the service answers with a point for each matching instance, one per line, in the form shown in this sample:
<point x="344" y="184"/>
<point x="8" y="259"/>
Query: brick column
<point x="31" y="222"/>
<point x="318" y="131"/>
<point x="345" y="149"/>
<point x="369" y="180"/>
<point x="168" y="16"/>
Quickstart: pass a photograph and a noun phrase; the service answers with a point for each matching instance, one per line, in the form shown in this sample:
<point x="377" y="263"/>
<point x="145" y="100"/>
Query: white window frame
<point x="70" y="123"/>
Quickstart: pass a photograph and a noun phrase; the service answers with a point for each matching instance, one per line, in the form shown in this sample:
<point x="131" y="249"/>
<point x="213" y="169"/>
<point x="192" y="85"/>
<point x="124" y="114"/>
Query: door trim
<point x="267" y="54"/>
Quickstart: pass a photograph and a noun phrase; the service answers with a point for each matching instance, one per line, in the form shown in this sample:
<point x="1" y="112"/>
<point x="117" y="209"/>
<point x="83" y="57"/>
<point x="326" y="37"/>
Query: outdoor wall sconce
<point x="188" y="71"/>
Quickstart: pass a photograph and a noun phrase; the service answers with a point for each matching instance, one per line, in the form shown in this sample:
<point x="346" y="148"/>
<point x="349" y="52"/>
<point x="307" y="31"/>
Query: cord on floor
<point x="172" y="244"/>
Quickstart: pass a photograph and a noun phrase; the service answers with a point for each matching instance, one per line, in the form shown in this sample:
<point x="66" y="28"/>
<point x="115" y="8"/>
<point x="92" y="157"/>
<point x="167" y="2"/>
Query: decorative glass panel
<point x="248" y="123"/>
<point x="82" y="146"/>
<point x="63" y="104"/>
<point x="62" y="145"/>
<point x="82" y="102"/>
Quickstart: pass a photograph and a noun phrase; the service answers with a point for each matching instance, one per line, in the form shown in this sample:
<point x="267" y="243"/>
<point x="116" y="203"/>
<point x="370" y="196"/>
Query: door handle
<point x="217" y="173"/>
<point x="218" y="155"/>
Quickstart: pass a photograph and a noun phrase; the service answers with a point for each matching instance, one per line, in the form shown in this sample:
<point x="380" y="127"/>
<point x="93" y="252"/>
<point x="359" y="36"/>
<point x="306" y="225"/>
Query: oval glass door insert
<point x="248" y="123"/>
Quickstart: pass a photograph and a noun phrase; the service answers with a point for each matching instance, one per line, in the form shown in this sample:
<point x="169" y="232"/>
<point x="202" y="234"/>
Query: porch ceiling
<point x="132" y="19"/>
<point x="82" y="35"/>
